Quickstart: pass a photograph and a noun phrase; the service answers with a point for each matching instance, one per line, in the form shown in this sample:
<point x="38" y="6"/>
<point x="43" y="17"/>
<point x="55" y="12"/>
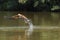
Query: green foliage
<point x="37" y="5"/>
<point x="9" y="5"/>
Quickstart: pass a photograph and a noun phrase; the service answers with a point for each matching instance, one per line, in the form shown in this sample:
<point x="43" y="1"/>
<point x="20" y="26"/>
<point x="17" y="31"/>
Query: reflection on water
<point x="40" y="35"/>
<point x="38" y="18"/>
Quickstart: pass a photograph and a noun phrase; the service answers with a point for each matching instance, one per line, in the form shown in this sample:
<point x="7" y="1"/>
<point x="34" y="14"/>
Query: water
<point x="29" y="31"/>
<point x="43" y="27"/>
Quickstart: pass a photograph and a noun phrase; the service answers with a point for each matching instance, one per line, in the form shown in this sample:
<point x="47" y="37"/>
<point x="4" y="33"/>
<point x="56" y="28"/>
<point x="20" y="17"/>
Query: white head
<point x="19" y="15"/>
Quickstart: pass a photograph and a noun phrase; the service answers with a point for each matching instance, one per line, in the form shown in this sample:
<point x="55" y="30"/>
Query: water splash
<point x="30" y="29"/>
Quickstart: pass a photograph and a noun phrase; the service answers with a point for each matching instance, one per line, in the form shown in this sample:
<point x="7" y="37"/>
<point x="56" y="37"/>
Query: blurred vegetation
<point x="30" y="5"/>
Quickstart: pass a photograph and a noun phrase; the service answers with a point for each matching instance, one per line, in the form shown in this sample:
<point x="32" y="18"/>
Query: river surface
<point x="46" y="20"/>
